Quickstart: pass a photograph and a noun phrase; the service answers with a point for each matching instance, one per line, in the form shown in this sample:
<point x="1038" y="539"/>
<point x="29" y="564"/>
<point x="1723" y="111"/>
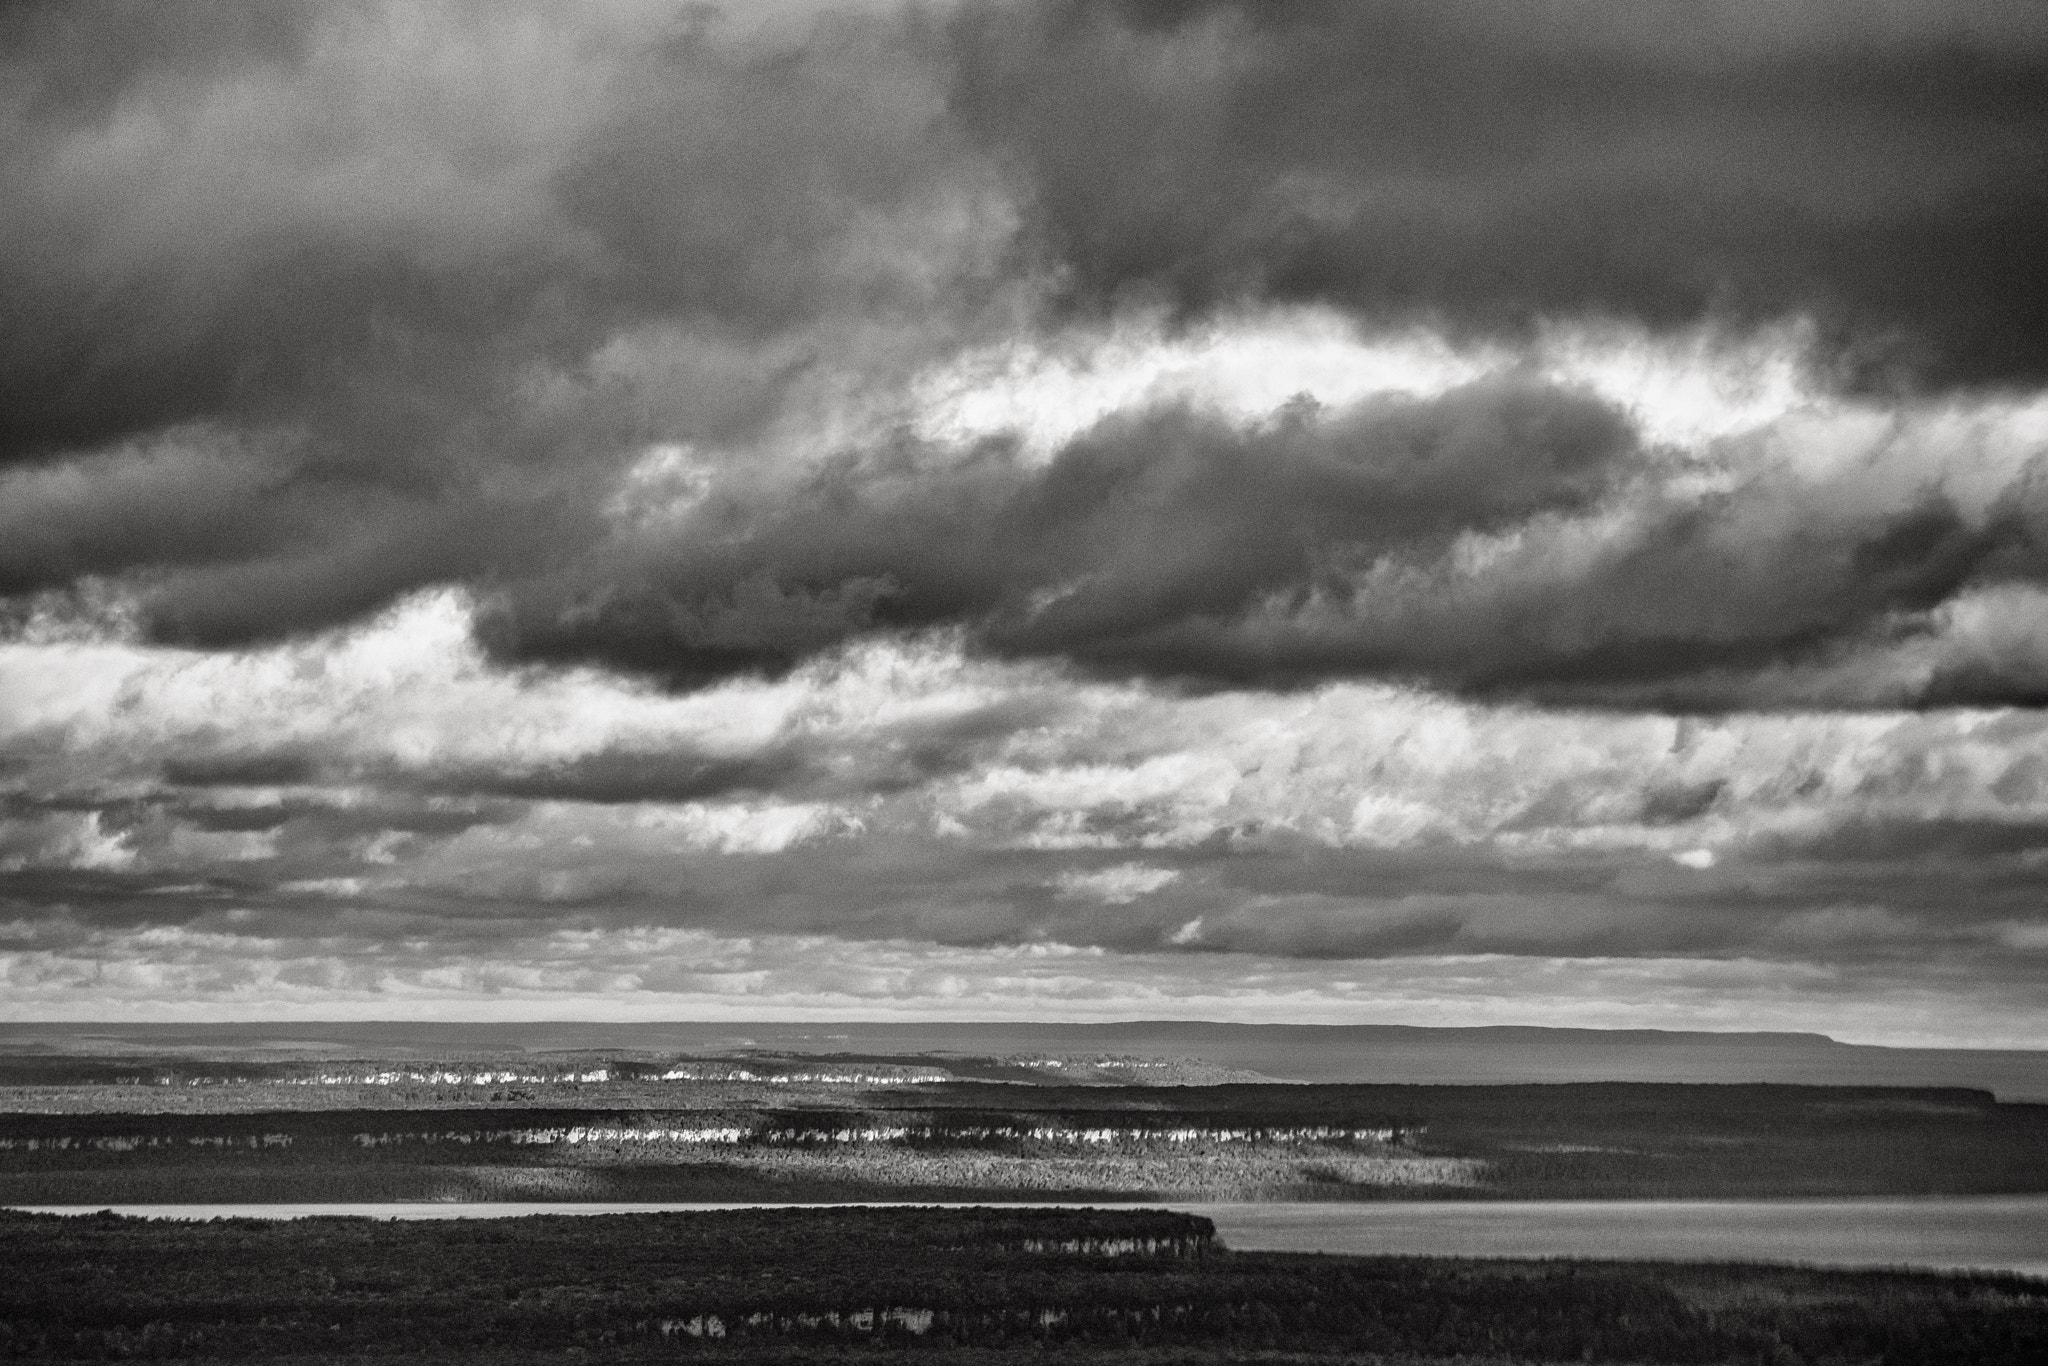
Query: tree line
<point x="932" y="1284"/>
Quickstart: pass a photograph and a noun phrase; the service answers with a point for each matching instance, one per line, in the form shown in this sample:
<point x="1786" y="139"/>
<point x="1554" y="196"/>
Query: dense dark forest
<point x="993" y="1142"/>
<point x="933" y="1285"/>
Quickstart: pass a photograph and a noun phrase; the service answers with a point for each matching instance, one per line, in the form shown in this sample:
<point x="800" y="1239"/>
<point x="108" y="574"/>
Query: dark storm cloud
<point x="1884" y="168"/>
<point x="1143" y="525"/>
<point x="294" y="320"/>
<point x="1678" y="612"/>
<point x="1320" y="545"/>
<point x="386" y="266"/>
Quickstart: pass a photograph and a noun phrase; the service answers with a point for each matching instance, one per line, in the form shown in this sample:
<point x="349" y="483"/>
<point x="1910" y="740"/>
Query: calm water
<point x="2002" y="1233"/>
<point x="2008" y="1233"/>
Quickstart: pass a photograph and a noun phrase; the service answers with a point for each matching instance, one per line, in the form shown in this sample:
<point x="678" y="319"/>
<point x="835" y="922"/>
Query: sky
<point x="1452" y="512"/>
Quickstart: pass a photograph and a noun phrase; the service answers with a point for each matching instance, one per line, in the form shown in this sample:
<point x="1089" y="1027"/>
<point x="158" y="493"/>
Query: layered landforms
<point x="994" y="1118"/>
<point x="395" y="1113"/>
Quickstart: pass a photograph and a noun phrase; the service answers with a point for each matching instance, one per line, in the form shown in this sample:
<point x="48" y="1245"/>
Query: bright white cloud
<point x="1047" y="393"/>
<point x="1686" y="388"/>
<point x="1079" y="766"/>
<point x="1117" y="886"/>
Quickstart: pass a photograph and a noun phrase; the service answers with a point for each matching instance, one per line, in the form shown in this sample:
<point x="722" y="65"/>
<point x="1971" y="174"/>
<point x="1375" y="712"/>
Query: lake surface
<point x="2004" y="1233"/>
<point x="2001" y="1233"/>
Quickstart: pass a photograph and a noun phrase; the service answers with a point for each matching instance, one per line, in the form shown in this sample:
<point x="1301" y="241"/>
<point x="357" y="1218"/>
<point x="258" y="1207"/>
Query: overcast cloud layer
<point x="1374" y="511"/>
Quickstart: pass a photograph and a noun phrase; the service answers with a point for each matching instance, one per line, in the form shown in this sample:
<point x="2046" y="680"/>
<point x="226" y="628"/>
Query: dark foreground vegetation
<point x="959" y="1141"/>
<point x="931" y="1286"/>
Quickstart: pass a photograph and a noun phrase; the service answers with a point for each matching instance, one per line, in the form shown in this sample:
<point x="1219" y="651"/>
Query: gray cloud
<point x="1145" y="525"/>
<point x="1325" y="545"/>
<point x="291" y="327"/>
<point x="1488" y="164"/>
<point x="413" y="806"/>
<point x="292" y="331"/>
<point x="1902" y="894"/>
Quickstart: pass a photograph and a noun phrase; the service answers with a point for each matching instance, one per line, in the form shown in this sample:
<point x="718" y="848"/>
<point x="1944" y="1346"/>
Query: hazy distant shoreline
<point x="1487" y="1054"/>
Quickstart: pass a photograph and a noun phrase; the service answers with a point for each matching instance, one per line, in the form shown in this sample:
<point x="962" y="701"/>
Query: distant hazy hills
<point x="1318" y="1053"/>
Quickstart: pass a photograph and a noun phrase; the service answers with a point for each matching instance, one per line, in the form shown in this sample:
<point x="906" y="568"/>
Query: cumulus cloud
<point x="693" y="337"/>
<point x="379" y="782"/>
<point x="1154" y="491"/>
